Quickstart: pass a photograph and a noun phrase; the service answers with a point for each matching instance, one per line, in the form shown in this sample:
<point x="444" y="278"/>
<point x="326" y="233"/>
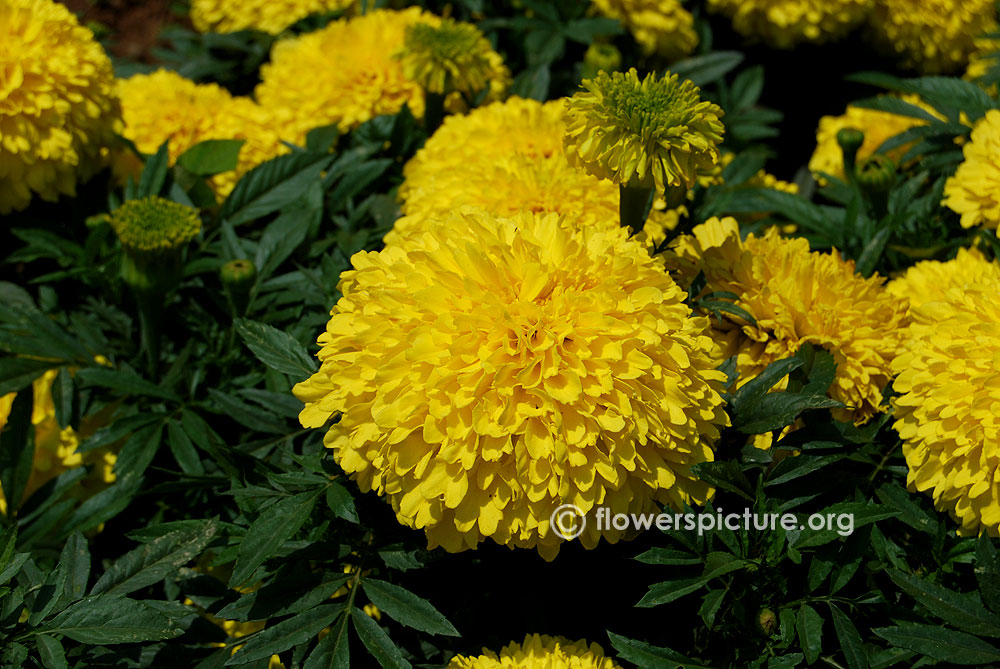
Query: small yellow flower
<point x="785" y="23"/>
<point x="58" y="111"/>
<point x="654" y="133"/>
<point x="945" y="412"/>
<point x="662" y="27"/>
<point x="153" y="224"/>
<point x="450" y="56"/>
<point x="270" y="16"/>
<point x="497" y="368"/>
<point x="932" y="36"/>
<point x="974" y="190"/>
<point x="537" y="651"/>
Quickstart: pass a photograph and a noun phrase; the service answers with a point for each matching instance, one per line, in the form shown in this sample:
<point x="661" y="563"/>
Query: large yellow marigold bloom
<point x="347" y="73"/>
<point x="785" y="23"/>
<point x="57" y="103"/>
<point x="652" y="133"/>
<point x="946" y="411"/>
<point x="974" y="190"/>
<point x="662" y="27"/>
<point x="932" y="36"/>
<point x="269" y="16"/>
<point x="502" y="367"/>
<point x="55" y="446"/>
<point x="539" y="651"/>
<point x="877" y="126"/>
<point x="931" y="280"/>
<point x="505" y="158"/>
<point x="165" y="106"/>
<point x="797" y="296"/>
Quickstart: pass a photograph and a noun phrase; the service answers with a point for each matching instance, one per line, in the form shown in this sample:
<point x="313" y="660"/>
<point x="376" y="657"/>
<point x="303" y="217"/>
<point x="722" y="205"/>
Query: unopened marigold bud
<point x="876" y="174"/>
<point x="601" y="58"/>
<point x="153" y="231"/>
<point x="767" y="621"/>
<point x="850" y="141"/>
<point x="238" y="279"/>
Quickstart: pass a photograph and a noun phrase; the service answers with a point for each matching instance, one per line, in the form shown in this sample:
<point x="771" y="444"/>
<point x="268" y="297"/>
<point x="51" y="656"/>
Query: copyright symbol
<point x="567" y="521"/>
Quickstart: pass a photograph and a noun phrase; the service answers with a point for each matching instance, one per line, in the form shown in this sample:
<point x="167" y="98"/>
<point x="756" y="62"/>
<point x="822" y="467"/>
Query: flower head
<point x="656" y="132"/>
<point x="269" y="16"/>
<point x="974" y="190"/>
<point x="539" y="651"/>
<point x="448" y="56"/>
<point x="353" y="74"/>
<point x="164" y="106"/>
<point x="505" y="158"/>
<point x="932" y="36"/>
<point x="785" y="23"/>
<point x="57" y="104"/>
<point x="662" y="27"/>
<point x="797" y="296"/>
<point x="497" y="368"/>
<point x="877" y="126"/>
<point x="947" y="377"/>
<point x="153" y="224"/>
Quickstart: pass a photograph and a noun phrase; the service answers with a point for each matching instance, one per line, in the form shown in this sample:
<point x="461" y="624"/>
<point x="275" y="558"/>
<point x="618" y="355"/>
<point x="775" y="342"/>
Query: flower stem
<point x="633" y="206"/>
<point x="150" y="324"/>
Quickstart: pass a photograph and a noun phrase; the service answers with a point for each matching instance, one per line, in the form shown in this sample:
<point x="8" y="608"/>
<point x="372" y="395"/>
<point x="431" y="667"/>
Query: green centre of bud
<point x="451" y="41"/>
<point x="654" y="105"/>
<point x="154" y="224"/>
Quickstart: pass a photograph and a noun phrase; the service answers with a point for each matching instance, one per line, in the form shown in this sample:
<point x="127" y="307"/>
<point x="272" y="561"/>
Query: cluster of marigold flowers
<point x="516" y="345"/>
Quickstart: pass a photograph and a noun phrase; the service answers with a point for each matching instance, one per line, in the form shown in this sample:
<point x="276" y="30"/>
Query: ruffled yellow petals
<point x="269" y="16"/>
<point x="785" y="23"/>
<point x="538" y="651"/>
<point x="973" y="191"/>
<point x="662" y="27"/>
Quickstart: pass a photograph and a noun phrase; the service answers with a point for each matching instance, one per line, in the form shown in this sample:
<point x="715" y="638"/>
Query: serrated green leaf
<point x="286" y="634"/>
<point x="341" y="502"/>
<point x="941" y="643"/>
<point x="275" y="525"/>
<point x="705" y="69"/>
<point x="17" y="449"/>
<point x="212" y="156"/>
<point x="276" y="349"/>
<point x="16" y="374"/>
<point x="112" y="619"/>
<point x="334" y="650"/>
<point x="809" y="626"/>
<point x="273" y="185"/>
<point x="647" y="656"/>
<point x="850" y="640"/>
<point x="51" y="652"/>
<point x="377" y="641"/>
<point x="154" y="172"/>
<point x="406" y="608"/>
<point x="988" y="572"/>
<point x="122" y="381"/>
<point x="961" y="610"/>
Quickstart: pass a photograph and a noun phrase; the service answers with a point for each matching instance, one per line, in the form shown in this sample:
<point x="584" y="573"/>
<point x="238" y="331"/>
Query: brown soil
<point x="133" y="26"/>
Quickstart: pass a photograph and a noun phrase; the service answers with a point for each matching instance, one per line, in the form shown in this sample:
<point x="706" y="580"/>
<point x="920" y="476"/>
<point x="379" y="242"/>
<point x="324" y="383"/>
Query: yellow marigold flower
<point x="785" y="23"/>
<point x="947" y="376"/>
<point x="983" y="59"/>
<point x="153" y="224"/>
<point x="974" y="190"/>
<point x="932" y="36"/>
<point x="165" y="106"/>
<point x="796" y="297"/>
<point x="877" y="126"/>
<point x="57" y="103"/>
<point x="269" y="16"/>
<point x="539" y="651"/>
<point x="501" y="367"/>
<point x="662" y="27"/>
<point x="55" y="446"/>
<point x="447" y="56"/>
<point x="656" y="132"/>
<point x="931" y="280"/>
<point x="353" y="74"/>
<point x="505" y="158"/>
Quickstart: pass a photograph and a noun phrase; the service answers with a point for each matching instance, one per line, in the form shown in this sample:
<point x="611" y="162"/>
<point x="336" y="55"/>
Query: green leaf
<point x="753" y="390"/>
<point x="668" y="556"/>
<point x="710" y="67"/>
<point x="809" y="626"/>
<point x="407" y="608"/>
<point x="861" y="512"/>
<point x="775" y="410"/>
<point x="213" y="156"/>
<point x="988" y="572"/>
<point x="17" y="450"/>
<point x="333" y="651"/>
<point x="152" y="562"/>
<point x="275" y="525"/>
<point x="322" y="139"/>
<point x="377" y="641"/>
<point x="647" y="656"/>
<point x="341" y="503"/>
<point x="154" y="172"/>
<point x="125" y="382"/>
<point x="894" y="105"/>
<point x="963" y="611"/>
<point x="941" y="643"/>
<point x="112" y="619"/>
<point x="183" y="449"/>
<point x="897" y="497"/>
<point x="850" y="640"/>
<point x="283" y="597"/>
<point x="51" y="652"/>
<point x="790" y="469"/>
<point x="16" y="374"/>
<point x="668" y="591"/>
<point x="273" y="185"/>
<point x="872" y="252"/>
<point x="726" y="475"/>
<point x="76" y="556"/>
<point x="276" y="349"/>
<point x="286" y="634"/>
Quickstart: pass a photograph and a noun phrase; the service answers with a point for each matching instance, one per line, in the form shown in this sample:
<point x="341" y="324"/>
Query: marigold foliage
<point x="877" y="126"/>
<point x="796" y="297"/>
<point x="947" y="381"/>
<point x="165" y="106"/>
<point x="500" y="367"/>
<point x="662" y="27"/>
<point x="57" y="105"/>
<point x="505" y="158"/>
<point x="785" y="23"/>
<point x="654" y="133"/>
<point x="269" y="16"/>
<point x="974" y="190"/>
<point x="153" y="224"/>
<point x="450" y="56"/>
<point x="539" y="651"/>
<point x="345" y="73"/>
<point x="55" y="446"/>
<point x="932" y="36"/>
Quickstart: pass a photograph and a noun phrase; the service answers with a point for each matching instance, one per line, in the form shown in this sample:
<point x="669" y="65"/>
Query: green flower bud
<point x="850" y="141"/>
<point x="876" y="174"/>
<point x="238" y="278"/>
<point x="153" y="232"/>
<point x="767" y="621"/>
<point x="601" y="58"/>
